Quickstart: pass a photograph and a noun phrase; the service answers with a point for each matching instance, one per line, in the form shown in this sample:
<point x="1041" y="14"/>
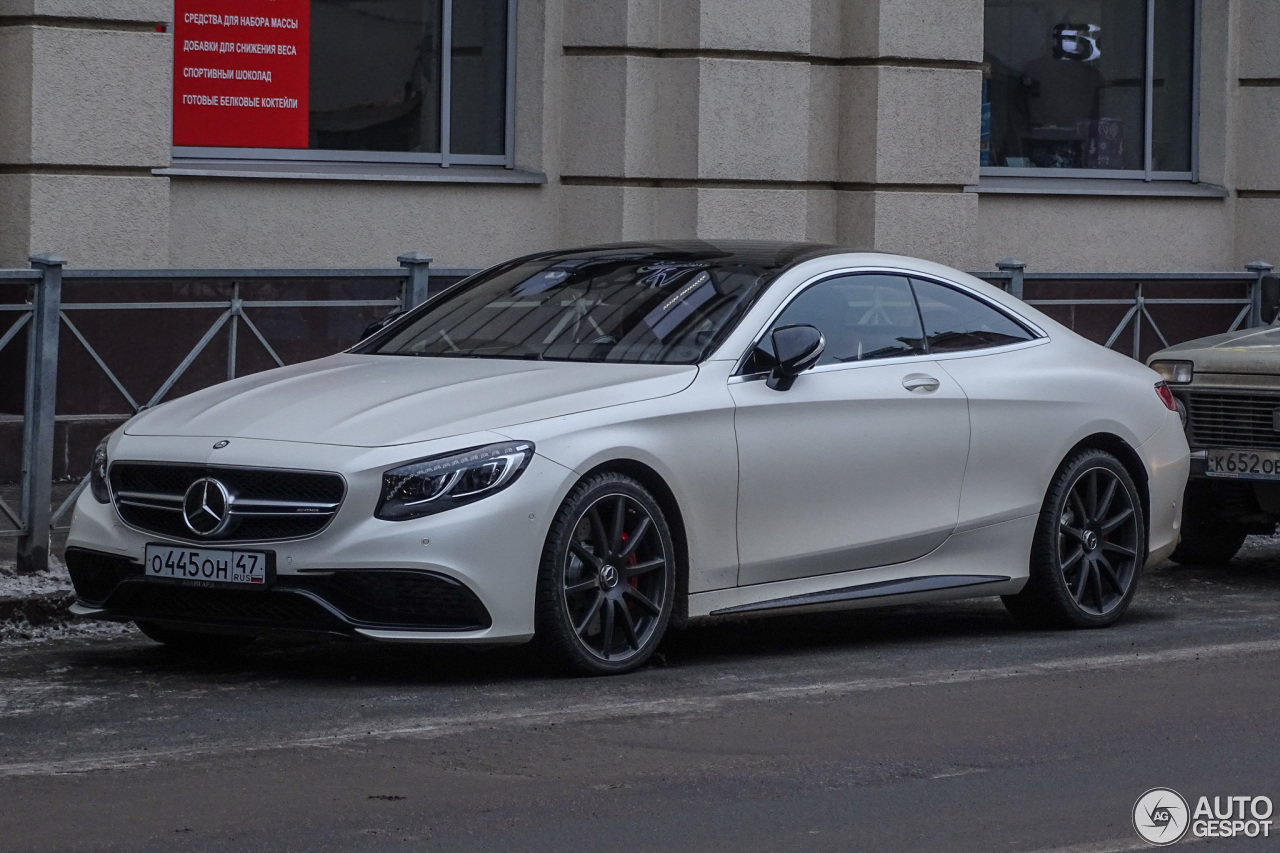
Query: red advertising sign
<point x="241" y="73"/>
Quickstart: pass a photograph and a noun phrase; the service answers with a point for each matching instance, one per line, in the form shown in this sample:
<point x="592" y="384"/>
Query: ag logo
<point x="1160" y="816"/>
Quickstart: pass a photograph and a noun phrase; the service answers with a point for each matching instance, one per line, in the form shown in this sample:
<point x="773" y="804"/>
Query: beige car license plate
<point x="1243" y="464"/>
<point x="207" y="566"/>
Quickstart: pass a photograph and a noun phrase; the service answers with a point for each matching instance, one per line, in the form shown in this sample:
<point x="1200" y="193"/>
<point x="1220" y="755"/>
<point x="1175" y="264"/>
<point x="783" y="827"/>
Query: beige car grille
<point x="1231" y="419"/>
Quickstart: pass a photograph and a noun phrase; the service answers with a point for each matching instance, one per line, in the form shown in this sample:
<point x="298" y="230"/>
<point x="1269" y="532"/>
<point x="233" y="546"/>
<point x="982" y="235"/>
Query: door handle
<point x="919" y="383"/>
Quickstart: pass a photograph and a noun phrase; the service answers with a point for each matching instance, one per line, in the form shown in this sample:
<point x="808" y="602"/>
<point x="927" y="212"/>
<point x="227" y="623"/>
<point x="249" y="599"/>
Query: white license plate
<point x="1243" y="464"/>
<point x="207" y="566"/>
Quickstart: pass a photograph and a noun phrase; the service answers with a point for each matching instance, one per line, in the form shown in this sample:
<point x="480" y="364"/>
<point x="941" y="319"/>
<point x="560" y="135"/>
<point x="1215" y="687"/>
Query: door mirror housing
<point x="797" y="348"/>
<point x="378" y="325"/>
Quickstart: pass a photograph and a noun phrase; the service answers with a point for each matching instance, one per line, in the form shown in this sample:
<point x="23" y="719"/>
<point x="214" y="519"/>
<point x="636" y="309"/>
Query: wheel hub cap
<point x="608" y="577"/>
<point x="1090" y="540"/>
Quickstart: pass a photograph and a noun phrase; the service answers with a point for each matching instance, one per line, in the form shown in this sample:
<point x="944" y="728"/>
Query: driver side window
<point x="862" y="317"/>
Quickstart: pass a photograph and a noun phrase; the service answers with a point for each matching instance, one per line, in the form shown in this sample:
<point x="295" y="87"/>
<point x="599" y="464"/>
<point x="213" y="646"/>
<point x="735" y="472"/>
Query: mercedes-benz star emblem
<point x="206" y="507"/>
<point x="608" y="577"/>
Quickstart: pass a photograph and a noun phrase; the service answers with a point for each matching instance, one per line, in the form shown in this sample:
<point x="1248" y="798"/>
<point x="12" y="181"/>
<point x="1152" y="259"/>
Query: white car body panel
<point x="827" y="468"/>
<point x="687" y="439"/>
<point x="947" y="485"/>
<point x="397" y="400"/>
<point x="1024" y="424"/>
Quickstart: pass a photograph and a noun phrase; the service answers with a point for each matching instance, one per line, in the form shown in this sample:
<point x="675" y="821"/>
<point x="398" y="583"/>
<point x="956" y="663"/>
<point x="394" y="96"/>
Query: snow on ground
<point x="17" y="629"/>
<point x="20" y="631"/>
<point x="14" y="585"/>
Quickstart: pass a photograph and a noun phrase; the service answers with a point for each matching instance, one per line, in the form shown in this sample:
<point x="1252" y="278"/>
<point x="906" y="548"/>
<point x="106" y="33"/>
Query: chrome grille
<point x="1228" y="419"/>
<point x="267" y="503"/>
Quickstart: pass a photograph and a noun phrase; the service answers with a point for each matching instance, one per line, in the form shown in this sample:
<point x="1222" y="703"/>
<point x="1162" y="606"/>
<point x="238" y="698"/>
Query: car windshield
<point x="665" y="309"/>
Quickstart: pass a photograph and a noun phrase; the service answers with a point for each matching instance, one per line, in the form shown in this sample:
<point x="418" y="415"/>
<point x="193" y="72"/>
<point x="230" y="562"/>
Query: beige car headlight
<point x="1174" y="372"/>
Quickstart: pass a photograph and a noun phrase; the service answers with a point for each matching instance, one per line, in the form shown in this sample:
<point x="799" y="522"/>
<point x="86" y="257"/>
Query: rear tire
<point x="1088" y="549"/>
<point x="607" y="583"/>
<point x="193" y="642"/>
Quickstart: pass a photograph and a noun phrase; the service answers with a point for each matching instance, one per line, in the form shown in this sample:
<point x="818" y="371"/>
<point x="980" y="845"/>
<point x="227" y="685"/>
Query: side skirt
<point x="991" y="560"/>
<point x="882" y="589"/>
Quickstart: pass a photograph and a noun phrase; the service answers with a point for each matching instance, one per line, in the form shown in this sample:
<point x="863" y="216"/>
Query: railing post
<point x="38" y="413"/>
<point x="418" y="286"/>
<point x="1259" y="270"/>
<point x="1139" y="309"/>
<point x="233" y="329"/>
<point x="1015" y="268"/>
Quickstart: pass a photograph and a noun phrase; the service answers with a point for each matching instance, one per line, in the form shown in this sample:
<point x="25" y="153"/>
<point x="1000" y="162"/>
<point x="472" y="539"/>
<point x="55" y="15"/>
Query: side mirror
<point x="797" y="348"/>
<point x="378" y="325"/>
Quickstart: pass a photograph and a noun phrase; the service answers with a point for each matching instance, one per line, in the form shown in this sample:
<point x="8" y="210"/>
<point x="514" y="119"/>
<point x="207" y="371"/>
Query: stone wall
<point x="847" y="121"/>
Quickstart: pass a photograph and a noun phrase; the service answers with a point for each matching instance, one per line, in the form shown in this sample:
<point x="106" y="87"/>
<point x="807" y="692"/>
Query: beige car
<point x="1228" y="387"/>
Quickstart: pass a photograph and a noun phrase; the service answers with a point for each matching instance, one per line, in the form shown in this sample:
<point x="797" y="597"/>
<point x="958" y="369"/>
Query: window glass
<point x="862" y="317"/>
<point x="955" y="321"/>
<point x="1065" y="84"/>
<point x="479" y="77"/>
<point x="375" y="75"/>
<point x="610" y="307"/>
<point x="1171" y="107"/>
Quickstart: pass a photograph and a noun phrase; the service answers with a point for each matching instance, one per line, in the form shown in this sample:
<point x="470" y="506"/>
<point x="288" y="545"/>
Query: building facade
<point x="1079" y="135"/>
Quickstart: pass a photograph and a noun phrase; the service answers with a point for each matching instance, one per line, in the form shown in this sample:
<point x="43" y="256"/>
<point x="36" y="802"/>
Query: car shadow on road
<point x="337" y="661"/>
<point x="1166" y="595"/>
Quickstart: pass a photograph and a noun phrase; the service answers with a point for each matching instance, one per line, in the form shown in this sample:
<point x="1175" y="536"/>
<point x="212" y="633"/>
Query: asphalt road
<point x="939" y="728"/>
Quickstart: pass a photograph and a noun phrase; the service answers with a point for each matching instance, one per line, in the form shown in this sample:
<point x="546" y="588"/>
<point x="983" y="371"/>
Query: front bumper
<point x="468" y="574"/>
<point x="351" y="603"/>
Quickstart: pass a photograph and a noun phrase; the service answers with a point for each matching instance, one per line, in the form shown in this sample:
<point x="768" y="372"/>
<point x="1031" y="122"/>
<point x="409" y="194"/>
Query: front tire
<point x="607" y="583"/>
<point x="1088" y="549"/>
<point x="1207" y="537"/>
<point x="193" y="642"/>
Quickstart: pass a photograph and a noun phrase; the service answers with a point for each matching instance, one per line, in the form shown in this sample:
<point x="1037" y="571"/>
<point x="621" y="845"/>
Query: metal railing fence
<point x="49" y="320"/>
<point x="1135" y="300"/>
<point x="1112" y="309"/>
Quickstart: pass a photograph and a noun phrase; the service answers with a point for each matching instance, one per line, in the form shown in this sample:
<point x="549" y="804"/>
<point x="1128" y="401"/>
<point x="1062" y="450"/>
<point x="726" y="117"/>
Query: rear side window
<point x="955" y="322"/>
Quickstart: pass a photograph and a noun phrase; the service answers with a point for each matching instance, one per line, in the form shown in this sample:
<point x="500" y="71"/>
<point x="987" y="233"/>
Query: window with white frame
<point x="1090" y="88"/>
<point x="415" y="81"/>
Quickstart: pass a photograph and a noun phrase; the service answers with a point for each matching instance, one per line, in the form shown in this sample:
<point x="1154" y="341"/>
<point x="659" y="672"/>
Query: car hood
<point x="1248" y="351"/>
<point x="378" y="401"/>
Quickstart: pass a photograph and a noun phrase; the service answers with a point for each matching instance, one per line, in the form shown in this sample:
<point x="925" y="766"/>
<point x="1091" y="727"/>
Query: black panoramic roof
<point x="761" y="255"/>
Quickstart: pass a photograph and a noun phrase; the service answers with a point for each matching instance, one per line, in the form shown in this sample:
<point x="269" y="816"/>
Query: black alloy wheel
<point x="1088" y="550"/>
<point x="606" y="587"/>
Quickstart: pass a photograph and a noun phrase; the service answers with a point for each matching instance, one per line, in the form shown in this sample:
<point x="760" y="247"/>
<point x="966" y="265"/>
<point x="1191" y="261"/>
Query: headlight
<point x="443" y="482"/>
<point x="98" y="474"/>
<point x="1173" y="372"/>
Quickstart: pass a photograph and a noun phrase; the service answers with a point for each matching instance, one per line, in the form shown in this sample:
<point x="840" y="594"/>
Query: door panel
<point x="855" y="466"/>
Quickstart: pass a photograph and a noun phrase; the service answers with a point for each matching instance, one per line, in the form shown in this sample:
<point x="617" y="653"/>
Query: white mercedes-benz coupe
<point x="588" y="447"/>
